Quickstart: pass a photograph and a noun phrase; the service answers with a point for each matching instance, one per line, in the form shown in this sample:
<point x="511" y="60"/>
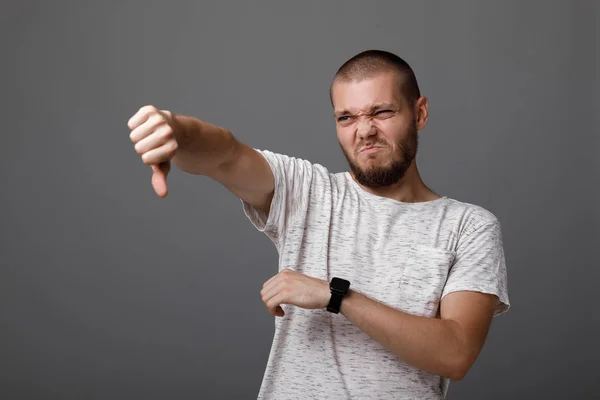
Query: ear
<point x="421" y="111"/>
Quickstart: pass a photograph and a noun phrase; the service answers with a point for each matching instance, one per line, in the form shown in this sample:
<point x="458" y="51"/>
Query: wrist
<point x="339" y="288"/>
<point x="203" y="148"/>
<point x="348" y="299"/>
<point x="325" y="295"/>
<point x="181" y="128"/>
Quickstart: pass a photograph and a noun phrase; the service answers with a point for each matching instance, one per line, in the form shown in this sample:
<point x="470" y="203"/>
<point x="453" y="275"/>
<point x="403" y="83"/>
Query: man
<point x="426" y="273"/>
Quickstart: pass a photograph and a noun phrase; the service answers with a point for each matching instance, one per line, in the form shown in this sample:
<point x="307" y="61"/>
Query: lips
<point x="369" y="149"/>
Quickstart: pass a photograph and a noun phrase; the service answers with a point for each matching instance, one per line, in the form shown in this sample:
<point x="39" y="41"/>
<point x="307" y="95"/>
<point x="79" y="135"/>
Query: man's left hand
<point x="291" y="287"/>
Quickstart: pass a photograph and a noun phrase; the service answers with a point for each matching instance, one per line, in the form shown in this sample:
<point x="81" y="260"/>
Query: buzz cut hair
<point x="370" y="63"/>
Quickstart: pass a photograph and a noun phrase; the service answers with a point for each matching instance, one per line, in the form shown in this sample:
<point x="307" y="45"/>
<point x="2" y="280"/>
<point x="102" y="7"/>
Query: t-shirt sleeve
<point x="293" y="178"/>
<point x="480" y="265"/>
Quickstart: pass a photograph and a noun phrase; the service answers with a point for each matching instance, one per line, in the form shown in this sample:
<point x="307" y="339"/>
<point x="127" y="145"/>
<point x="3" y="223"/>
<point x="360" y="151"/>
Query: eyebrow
<point x="374" y="107"/>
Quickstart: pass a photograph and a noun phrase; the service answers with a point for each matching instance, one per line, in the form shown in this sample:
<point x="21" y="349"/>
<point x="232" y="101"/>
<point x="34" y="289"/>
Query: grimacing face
<point x="376" y="128"/>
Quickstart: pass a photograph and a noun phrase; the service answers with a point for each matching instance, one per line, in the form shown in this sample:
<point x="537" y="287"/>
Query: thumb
<point x="159" y="178"/>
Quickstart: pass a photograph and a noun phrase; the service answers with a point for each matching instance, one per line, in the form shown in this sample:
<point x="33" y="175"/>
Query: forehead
<point x="361" y="95"/>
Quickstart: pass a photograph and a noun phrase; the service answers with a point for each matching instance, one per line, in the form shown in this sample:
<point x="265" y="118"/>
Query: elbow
<point x="458" y="369"/>
<point x="458" y="374"/>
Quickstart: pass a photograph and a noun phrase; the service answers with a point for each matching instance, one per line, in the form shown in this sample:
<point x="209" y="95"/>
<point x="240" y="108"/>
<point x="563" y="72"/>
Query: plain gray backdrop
<point x="109" y="292"/>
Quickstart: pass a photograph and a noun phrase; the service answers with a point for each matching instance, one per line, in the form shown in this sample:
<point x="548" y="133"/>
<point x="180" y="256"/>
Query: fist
<point x="291" y="287"/>
<point x="152" y="132"/>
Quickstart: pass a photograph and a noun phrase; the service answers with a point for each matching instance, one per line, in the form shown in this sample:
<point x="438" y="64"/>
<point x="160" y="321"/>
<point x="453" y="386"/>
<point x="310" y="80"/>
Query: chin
<point x="380" y="173"/>
<point x="374" y="164"/>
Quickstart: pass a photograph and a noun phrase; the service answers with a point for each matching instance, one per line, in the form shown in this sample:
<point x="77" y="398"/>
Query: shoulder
<point x="282" y="160"/>
<point x="471" y="217"/>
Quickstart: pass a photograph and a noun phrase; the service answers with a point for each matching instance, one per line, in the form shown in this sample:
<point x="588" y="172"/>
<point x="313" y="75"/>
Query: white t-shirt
<point x="405" y="255"/>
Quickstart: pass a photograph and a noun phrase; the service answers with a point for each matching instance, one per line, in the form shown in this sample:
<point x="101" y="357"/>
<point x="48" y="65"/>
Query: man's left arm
<point x="447" y="346"/>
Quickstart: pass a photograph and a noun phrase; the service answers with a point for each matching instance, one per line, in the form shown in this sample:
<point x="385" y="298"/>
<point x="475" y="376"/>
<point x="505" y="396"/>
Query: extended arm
<point x="199" y="147"/>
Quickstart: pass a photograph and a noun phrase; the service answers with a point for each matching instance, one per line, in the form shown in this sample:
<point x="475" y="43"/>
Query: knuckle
<point x="167" y="114"/>
<point x="154" y="119"/>
<point x="146" y="159"/>
<point x="160" y="119"/>
<point x="173" y="147"/>
<point x="166" y="133"/>
<point x="148" y="108"/>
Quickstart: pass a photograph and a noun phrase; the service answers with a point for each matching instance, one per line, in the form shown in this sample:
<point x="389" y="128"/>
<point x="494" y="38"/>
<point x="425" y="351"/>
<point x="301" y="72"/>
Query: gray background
<point x="109" y="292"/>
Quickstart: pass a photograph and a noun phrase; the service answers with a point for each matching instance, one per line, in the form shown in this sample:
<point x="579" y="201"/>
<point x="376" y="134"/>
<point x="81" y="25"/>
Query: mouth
<point x="369" y="150"/>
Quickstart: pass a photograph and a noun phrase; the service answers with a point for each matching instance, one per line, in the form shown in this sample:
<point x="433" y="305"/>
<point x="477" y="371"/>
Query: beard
<point x="378" y="176"/>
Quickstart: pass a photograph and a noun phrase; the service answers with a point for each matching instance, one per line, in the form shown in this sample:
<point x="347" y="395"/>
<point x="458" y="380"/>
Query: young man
<point x="385" y="289"/>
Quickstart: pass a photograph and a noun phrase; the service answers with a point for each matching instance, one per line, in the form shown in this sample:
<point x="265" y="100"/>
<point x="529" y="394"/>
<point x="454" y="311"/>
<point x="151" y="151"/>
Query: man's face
<point x="376" y="129"/>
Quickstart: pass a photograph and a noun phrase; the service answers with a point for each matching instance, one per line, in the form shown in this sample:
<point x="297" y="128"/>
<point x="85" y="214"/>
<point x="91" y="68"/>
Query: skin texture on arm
<point x="247" y="175"/>
<point x="213" y="151"/>
<point x="447" y="346"/>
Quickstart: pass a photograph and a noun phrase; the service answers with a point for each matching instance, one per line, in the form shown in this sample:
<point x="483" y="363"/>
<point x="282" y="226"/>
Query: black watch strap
<point x="339" y="288"/>
<point x="335" y="302"/>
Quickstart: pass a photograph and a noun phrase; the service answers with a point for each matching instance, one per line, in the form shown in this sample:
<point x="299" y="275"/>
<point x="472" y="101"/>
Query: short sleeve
<point x="480" y="265"/>
<point x="293" y="178"/>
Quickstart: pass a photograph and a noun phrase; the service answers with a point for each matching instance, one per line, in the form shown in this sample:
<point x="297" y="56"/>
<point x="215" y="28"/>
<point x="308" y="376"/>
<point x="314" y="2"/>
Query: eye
<point x="343" y="118"/>
<point x="384" y="113"/>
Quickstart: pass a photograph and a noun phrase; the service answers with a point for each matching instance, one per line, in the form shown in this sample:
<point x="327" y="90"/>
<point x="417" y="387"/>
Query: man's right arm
<point x="201" y="148"/>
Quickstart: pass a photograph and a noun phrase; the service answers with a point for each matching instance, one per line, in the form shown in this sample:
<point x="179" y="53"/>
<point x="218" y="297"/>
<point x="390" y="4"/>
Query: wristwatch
<point x="339" y="288"/>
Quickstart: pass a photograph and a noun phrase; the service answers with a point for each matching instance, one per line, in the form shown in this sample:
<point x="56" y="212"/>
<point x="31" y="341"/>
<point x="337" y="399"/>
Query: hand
<point x="152" y="131"/>
<point x="291" y="287"/>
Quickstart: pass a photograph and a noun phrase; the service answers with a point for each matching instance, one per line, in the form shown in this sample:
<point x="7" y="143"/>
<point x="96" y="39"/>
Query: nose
<point x="364" y="128"/>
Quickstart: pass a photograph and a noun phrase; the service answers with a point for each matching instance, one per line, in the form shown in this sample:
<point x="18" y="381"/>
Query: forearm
<point x="202" y="147"/>
<point x="430" y="344"/>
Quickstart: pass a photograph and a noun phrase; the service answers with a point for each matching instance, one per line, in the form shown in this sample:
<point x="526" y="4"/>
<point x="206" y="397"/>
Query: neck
<point x="409" y="189"/>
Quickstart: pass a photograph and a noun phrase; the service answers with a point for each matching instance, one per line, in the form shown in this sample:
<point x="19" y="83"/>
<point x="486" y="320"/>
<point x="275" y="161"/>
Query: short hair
<point x="369" y="63"/>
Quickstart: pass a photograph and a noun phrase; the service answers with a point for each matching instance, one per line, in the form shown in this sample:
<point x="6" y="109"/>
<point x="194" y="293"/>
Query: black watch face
<point x="340" y="285"/>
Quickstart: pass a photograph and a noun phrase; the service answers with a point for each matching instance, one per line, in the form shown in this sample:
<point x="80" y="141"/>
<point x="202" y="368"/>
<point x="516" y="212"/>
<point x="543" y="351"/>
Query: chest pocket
<point x="422" y="280"/>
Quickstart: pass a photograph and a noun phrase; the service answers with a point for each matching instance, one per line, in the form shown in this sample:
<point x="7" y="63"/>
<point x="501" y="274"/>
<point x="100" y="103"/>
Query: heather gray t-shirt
<point x="406" y="255"/>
